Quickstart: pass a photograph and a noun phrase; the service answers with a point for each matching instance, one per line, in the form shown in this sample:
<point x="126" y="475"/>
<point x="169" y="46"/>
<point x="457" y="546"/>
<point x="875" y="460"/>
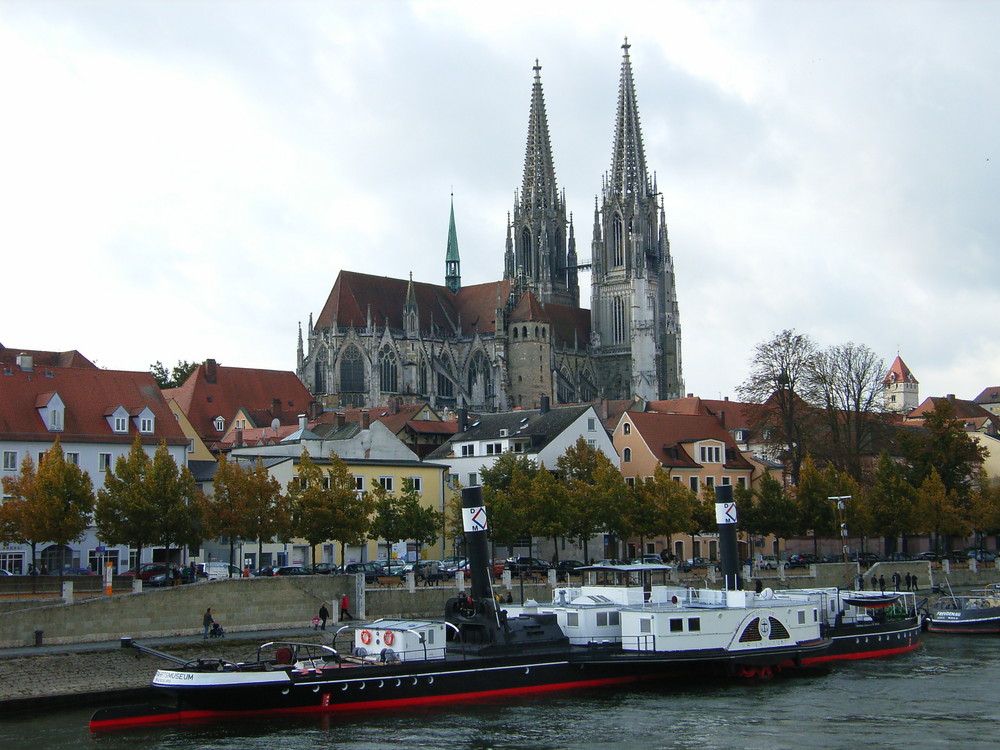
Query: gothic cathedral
<point x="508" y="343"/>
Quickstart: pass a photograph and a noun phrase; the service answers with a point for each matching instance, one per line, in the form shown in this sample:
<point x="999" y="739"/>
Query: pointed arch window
<point x="319" y="376"/>
<point x="387" y="372"/>
<point x="618" y="323"/>
<point x="352" y="371"/>
<point x="445" y="381"/>
<point x="481" y="390"/>
<point x="526" y="253"/>
<point x="617" y="241"/>
<point x="422" y="377"/>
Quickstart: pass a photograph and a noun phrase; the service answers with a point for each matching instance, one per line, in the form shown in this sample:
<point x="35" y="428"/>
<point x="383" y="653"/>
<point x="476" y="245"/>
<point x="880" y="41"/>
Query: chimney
<point x="602" y="409"/>
<point x="365" y="419"/>
<point x="238" y="439"/>
<point x="275" y="407"/>
<point x="315" y="409"/>
<point x="339" y="419"/>
<point x="950" y="397"/>
<point x="393" y="405"/>
<point x="26" y="362"/>
<point x="463" y="419"/>
<point x="544" y="408"/>
<point x="302" y="421"/>
<point x="211" y="370"/>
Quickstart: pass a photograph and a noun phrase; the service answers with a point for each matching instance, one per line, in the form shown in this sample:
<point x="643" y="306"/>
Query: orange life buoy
<point x="388" y="637"/>
<point x="366" y="637"/>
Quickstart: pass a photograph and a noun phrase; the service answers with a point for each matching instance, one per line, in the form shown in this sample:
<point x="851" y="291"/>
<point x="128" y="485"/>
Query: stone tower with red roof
<point x="901" y="391"/>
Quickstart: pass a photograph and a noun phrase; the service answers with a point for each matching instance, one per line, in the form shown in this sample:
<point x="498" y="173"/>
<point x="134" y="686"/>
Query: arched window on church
<point x="387" y="373"/>
<point x="319" y="373"/>
<point x="617" y="241"/>
<point x="528" y="253"/>
<point x="480" y="383"/>
<point x="588" y="391"/>
<point x="352" y="371"/>
<point x="524" y="332"/>
<point x="422" y="378"/>
<point x="445" y="384"/>
<point x="515" y="333"/>
<point x="564" y="387"/>
<point x="618" y="320"/>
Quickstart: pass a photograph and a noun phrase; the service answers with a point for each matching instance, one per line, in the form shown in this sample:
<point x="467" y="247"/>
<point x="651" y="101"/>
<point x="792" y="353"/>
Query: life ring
<point x="388" y="638"/>
<point x="366" y="637"/>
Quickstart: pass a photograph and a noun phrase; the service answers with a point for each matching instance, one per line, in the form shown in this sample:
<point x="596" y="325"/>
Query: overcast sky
<point x="184" y="180"/>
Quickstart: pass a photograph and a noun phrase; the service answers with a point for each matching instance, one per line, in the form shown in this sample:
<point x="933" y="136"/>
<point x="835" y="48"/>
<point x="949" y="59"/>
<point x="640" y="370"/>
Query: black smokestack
<point x="725" y="516"/>
<point x="477" y="545"/>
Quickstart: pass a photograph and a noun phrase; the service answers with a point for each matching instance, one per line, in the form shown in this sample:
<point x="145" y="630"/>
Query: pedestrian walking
<point x="324" y="615"/>
<point x="345" y="613"/>
<point x="874" y="582"/>
<point x="913" y="580"/>
<point x="861" y="582"/>
<point x="909" y="580"/>
<point x="207" y="622"/>
<point x="881" y="584"/>
<point x="896" y="580"/>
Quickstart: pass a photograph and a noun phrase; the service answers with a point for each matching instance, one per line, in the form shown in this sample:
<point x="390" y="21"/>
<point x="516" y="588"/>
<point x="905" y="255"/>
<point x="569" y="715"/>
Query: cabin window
<point x="802" y="617"/>
<point x="645" y="625"/>
<point x="676" y="625"/>
<point x="694" y="624"/>
<point x="573" y="619"/>
<point x="615" y="618"/>
<point x="602" y="619"/>
<point x="430" y="637"/>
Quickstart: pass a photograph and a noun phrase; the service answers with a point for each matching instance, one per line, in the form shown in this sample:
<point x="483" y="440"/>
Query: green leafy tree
<point x="124" y="513"/>
<point x="175" y="377"/>
<point x="545" y="514"/>
<point x="892" y="501"/>
<point x="776" y="511"/>
<point x="671" y="504"/>
<point x="176" y="500"/>
<point x="578" y="466"/>
<point x="984" y="509"/>
<point x="815" y="511"/>
<point x="506" y="492"/>
<point x="610" y="502"/>
<point x="944" y="447"/>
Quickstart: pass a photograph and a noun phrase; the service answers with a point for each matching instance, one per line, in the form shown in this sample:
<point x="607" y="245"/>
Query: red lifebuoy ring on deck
<point x="388" y="637"/>
<point x="366" y="637"/>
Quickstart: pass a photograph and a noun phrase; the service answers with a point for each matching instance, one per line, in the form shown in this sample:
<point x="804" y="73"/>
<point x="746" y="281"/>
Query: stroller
<point x="217" y="631"/>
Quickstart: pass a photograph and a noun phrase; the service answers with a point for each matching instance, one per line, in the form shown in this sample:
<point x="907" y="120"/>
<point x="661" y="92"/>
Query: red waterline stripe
<point x="861" y="655"/>
<point x="183" y="716"/>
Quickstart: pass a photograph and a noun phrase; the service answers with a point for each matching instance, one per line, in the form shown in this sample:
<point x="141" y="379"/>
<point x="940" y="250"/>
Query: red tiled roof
<point x="899" y="373"/>
<point x="86" y="393"/>
<point x="8" y="356"/>
<point x="395" y="421"/>
<point x="989" y="395"/>
<point x="662" y="432"/>
<point x="965" y="410"/>
<point x="528" y="308"/>
<point x="356" y="295"/>
<point x="734" y="411"/>
<point x="570" y="325"/>
<point x="214" y="390"/>
<point x="428" y="427"/>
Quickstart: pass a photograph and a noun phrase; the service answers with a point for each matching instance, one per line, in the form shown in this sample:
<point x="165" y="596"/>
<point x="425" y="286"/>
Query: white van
<point x="217" y="571"/>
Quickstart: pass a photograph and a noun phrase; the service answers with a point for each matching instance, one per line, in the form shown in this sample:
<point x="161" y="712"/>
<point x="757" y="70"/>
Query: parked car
<point x="898" y="557"/>
<point x="267" y="570"/>
<point x="695" y="563"/>
<point x="769" y="562"/>
<point x="425" y="571"/>
<point x="371" y="570"/>
<point x="647" y="560"/>
<point x="803" y="560"/>
<point x="566" y="568"/>
<point x="928" y="556"/>
<point x="74" y="572"/>
<point x="324" y="568"/>
<point x="982" y="555"/>
<point x="526" y="566"/>
<point x="291" y="570"/>
<point x="452" y="561"/>
<point x="610" y="561"/>
<point x="460" y="564"/>
<point x="218" y="571"/>
<point x="5" y="573"/>
<point x="499" y="566"/>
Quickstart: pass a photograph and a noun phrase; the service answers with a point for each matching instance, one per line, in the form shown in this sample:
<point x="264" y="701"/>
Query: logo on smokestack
<point x="474" y="519"/>
<point x="725" y="513"/>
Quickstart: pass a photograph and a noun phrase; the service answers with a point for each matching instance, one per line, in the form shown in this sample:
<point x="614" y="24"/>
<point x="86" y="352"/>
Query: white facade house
<point x="96" y="415"/>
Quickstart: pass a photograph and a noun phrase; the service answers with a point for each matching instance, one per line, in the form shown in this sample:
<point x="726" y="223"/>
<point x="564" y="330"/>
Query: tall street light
<point x="841" y="501"/>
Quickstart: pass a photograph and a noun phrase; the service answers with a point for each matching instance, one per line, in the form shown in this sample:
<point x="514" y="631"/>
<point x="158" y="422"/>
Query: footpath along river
<point x="944" y="695"/>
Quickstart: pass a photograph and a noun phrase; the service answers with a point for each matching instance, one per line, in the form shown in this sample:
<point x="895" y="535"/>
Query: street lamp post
<point x="841" y="501"/>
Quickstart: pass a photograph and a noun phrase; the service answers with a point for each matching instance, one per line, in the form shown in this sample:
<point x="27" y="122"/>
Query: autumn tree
<point x="846" y="381"/>
<point x="577" y="467"/>
<point x="545" y="515"/>
<point x="226" y="513"/>
<point x="671" y="504"/>
<point x="779" y="373"/>
<point x="51" y="504"/>
<point x="938" y="512"/>
<point x="324" y="504"/>
<point x="267" y="512"/>
<point x="506" y="492"/>
<point x="175" y="500"/>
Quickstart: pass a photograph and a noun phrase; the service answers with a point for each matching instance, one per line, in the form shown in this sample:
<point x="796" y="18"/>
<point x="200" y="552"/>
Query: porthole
<point x="527" y="670"/>
<point x="381" y="684"/>
<point x="316" y="688"/>
<point x="399" y="683"/>
<point x="285" y="691"/>
<point x="430" y="680"/>
<point x="344" y="686"/>
<point x="361" y="686"/>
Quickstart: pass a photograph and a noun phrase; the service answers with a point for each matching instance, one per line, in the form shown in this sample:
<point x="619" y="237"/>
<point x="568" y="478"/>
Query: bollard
<point x="38" y="637"/>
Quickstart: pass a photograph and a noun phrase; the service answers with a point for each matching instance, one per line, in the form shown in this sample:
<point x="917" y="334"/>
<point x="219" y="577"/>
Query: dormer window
<point x="220" y="424"/>
<point x="51" y="410"/>
<point x="118" y="420"/>
<point x="145" y="420"/>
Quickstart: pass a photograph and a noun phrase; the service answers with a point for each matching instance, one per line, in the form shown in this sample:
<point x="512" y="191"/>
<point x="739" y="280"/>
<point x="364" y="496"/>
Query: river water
<point x="944" y="695"/>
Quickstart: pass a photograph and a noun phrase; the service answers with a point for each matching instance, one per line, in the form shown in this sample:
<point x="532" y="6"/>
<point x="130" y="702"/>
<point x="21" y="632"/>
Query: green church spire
<point x="452" y="273"/>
